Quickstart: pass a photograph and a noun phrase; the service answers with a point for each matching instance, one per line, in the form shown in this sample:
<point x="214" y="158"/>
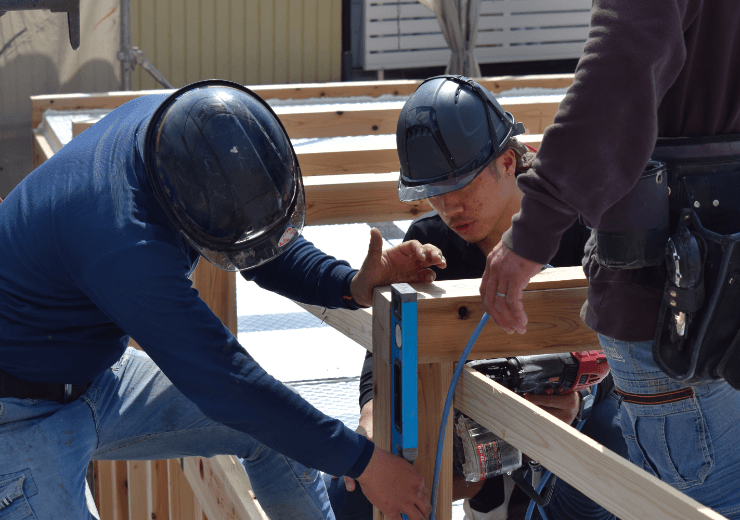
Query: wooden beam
<point x="296" y="91"/>
<point x="359" y="160"/>
<point x="382" y="374"/>
<point x="218" y="289"/>
<point x="139" y="490"/>
<point x="357" y="198"/>
<point x="356" y="325"/>
<point x="620" y="486"/>
<point x="304" y="121"/>
<point x="42" y="150"/>
<point x="348" y="162"/>
<point x="80" y="126"/>
<point x="222" y="488"/>
<point x="434" y="380"/>
<point x="451" y="310"/>
<point x="182" y="498"/>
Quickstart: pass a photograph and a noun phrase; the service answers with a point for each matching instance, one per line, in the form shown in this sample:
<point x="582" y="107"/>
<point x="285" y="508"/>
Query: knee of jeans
<point x="259" y="451"/>
<point x="307" y="476"/>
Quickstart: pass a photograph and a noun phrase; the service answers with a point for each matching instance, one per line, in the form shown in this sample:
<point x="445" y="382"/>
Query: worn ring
<point x="501" y="294"/>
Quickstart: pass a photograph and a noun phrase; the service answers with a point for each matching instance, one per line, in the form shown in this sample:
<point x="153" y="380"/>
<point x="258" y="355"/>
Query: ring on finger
<point x="500" y="294"/>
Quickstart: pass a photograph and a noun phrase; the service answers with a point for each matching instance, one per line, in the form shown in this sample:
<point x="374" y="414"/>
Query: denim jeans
<point x="567" y="503"/>
<point x="131" y="412"/>
<point x="689" y="444"/>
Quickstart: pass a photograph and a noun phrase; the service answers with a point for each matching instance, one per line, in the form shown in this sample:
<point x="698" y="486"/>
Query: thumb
<point x="376" y="243"/>
<point x="349" y="484"/>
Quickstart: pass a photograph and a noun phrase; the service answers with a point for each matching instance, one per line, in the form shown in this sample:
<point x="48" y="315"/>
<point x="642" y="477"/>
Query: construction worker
<point x="458" y="149"/>
<point x="98" y="245"/>
<point x="657" y="80"/>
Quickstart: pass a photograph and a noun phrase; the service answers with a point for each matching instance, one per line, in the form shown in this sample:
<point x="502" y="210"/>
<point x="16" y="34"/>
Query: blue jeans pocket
<point x="673" y="442"/>
<point x="15" y="489"/>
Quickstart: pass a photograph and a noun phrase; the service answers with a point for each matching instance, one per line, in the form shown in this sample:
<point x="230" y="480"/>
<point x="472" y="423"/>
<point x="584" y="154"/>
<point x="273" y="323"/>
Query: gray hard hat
<point x="449" y="130"/>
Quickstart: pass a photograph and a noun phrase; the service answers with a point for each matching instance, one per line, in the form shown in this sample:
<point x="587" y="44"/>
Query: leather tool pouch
<point x="633" y="232"/>
<point x="698" y="332"/>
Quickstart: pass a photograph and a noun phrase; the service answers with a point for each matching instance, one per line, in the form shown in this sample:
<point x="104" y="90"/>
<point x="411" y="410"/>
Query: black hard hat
<point x="222" y="166"/>
<point x="449" y="130"/>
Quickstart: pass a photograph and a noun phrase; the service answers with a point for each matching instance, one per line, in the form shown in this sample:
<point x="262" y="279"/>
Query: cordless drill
<point x="480" y="454"/>
<point x="547" y="373"/>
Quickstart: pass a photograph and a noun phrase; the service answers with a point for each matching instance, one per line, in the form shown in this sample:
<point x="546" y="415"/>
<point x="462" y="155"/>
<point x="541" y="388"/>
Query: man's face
<point x="482" y="208"/>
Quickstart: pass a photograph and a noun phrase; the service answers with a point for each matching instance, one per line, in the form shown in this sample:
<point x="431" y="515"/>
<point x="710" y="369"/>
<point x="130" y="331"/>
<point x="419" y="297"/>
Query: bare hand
<point x="394" y="486"/>
<point x="406" y="262"/>
<point x="505" y="277"/>
<point x="564" y="407"/>
<point x="365" y="427"/>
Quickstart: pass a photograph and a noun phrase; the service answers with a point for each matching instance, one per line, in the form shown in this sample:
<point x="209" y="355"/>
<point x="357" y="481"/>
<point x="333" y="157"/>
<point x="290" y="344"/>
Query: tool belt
<point x="697" y="337"/>
<point x="633" y="232"/>
<point x="11" y="386"/>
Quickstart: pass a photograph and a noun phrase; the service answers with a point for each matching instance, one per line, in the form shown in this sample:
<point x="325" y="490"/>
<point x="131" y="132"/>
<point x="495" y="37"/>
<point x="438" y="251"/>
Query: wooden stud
<point x="222" y="488"/>
<point x="42" y="150"/>
<point x="218" y="289"/>
<point x="381" y="341"/>
<point x="357" y="198"/>
<point x="434" y="381"/>
<point x="182" y="497"/>
<point x="139" y="496"/>
<point x="160" y="490"/>
<point x="104" y="474"/>
<point x="120" y="495"/>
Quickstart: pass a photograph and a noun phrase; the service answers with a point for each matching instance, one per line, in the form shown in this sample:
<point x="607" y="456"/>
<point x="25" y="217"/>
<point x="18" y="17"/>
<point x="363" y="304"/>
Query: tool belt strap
<point x="648" y="399"/>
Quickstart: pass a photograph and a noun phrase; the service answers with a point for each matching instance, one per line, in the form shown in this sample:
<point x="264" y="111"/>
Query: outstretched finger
<point x="413" y="249"/>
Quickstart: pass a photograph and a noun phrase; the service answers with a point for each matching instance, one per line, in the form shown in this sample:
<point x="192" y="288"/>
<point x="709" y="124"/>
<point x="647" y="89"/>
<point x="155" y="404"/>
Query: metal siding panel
<point x="222" y="53"/>
<point x="281" y="42"/>
<point x="267" y="47"/>
<point x="237" y="23"/>
<point x="207" y="55"/>
<point x="310" y="44"/>
<point x="191" y="49"/>
<point x="322" y="37"/>
<point x="178" y="55"/>
<point x="336" y="47"/>
<point x="146" y="42"/>
<point x="295" y="41"/>
<point x="252" y="34"/>
<point x="135" y="38"/>
<point x="162" y="39"/>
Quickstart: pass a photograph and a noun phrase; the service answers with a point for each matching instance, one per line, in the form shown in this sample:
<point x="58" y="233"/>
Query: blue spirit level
<point x="404" y="407"/>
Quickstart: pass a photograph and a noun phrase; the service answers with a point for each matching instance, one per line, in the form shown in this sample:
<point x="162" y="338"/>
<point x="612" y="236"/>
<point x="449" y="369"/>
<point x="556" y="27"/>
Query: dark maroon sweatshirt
<point x="657" y="68"/>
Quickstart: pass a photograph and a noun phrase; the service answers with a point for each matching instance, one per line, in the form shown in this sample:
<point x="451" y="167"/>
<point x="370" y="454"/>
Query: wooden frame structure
<point x="359" y="186"/>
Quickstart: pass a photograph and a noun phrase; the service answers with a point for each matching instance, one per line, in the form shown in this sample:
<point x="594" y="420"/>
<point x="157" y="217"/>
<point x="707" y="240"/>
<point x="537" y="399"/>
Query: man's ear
<point x="507" y="162"/>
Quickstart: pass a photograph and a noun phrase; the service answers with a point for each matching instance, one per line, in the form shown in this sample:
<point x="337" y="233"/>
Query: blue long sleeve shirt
<point x="88" y="259"/>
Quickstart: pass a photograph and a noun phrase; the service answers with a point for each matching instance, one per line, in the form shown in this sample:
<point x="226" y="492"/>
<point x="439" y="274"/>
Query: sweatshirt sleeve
<point x="144" y="289"/>
<point x="306" y="274"/>
<point x="605" y="129"/>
